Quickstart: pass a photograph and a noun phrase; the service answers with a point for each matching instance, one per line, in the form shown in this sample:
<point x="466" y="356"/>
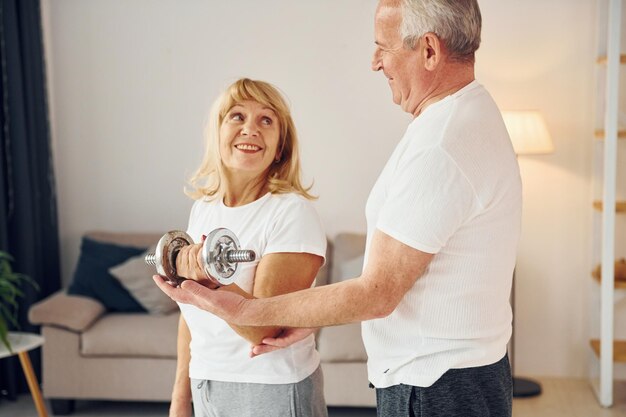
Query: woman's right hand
<point x="189" y="263"/>
<point x="288" y="337"/>
<point x="180" y="408"/>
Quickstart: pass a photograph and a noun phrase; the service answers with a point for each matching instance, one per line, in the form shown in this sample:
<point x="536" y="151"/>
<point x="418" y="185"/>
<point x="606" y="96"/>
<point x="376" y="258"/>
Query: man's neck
<point x="452" y="78"/>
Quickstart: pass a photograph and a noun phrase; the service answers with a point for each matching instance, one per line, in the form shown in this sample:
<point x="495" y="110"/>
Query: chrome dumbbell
<point x="220" y="256"/>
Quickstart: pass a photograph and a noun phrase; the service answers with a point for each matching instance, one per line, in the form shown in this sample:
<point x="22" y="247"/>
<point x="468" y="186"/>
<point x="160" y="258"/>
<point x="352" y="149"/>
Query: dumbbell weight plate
<point x="167" y="249"/>
<point x="214" y="250"/>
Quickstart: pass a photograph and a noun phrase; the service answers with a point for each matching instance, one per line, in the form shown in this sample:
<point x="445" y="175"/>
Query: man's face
<point x="401" y="66"/>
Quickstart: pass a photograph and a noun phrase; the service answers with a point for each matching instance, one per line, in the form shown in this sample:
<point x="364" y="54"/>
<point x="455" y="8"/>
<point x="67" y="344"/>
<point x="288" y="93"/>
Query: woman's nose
<point x="250" y="128"/>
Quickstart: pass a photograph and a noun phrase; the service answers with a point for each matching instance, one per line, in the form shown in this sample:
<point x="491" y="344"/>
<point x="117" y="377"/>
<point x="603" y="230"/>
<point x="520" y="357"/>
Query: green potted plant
<point x="10" y="291"/>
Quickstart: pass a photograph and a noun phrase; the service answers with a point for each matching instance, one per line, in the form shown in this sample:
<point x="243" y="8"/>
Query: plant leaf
<point x="4" y="335"/>
<point x="11" y="288"/>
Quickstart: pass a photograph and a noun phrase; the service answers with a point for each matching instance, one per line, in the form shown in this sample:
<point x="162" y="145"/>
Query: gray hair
<point x="456" y="22"/>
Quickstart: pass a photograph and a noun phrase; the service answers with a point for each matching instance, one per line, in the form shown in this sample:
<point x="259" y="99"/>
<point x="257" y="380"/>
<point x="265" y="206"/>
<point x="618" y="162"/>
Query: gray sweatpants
<point x="237" y="399"/>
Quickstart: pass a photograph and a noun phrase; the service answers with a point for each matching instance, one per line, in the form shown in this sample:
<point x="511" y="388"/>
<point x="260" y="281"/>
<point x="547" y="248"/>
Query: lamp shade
<point x="528" y="131"/>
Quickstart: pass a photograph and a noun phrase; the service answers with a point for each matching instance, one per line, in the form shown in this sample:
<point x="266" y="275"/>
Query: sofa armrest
<point x="71" y="312"/>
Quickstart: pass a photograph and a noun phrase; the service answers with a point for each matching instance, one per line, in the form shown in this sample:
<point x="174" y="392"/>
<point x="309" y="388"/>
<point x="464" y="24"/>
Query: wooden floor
<point x="560" y="398"/>
<point x="569" y="398"/>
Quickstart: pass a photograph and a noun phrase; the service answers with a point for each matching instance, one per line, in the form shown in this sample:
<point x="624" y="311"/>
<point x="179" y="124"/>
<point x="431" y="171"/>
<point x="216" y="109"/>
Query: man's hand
<point x="224" y="304"/>
<point x="288" y="337"/>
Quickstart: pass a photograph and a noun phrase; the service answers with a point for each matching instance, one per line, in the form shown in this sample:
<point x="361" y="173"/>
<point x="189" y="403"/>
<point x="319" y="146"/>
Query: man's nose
<point x="377" y="64"/>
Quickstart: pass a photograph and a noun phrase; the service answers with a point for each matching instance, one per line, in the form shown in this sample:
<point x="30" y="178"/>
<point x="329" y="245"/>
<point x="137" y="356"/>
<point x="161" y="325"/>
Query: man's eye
<point x="389" y="49"/>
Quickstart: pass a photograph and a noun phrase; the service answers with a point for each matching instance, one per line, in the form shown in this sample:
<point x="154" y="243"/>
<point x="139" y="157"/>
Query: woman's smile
<point x="248" y="147"/>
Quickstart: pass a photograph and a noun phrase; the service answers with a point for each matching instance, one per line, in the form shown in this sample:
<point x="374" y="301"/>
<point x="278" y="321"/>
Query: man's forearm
<point x="346" y="302"/>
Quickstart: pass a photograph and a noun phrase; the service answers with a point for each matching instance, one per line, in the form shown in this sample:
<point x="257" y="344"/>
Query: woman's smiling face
<point x="249" y="138"/>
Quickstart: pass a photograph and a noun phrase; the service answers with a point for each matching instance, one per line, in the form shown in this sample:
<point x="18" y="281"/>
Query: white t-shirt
<point x="451" y="187"/>
<point x="273" y="223"/>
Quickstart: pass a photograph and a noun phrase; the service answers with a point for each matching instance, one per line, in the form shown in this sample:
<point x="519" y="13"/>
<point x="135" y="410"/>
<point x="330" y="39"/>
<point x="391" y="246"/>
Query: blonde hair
<point x="283" y="176"/>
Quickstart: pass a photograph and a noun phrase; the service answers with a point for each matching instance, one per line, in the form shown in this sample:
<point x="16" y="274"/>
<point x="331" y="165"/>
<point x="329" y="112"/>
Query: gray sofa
<point x="92" y="354"/>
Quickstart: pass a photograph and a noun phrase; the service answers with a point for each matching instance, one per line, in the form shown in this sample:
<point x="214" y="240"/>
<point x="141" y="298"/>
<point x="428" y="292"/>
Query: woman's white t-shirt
<point x="274" y="223"/>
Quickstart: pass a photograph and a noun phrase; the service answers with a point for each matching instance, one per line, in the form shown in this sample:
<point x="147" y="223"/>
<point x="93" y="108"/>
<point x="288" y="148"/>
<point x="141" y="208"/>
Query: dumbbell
<point x="220" y="256"/>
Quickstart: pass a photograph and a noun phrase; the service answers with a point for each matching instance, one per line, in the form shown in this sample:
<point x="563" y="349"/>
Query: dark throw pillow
<point x="92" y="277"/>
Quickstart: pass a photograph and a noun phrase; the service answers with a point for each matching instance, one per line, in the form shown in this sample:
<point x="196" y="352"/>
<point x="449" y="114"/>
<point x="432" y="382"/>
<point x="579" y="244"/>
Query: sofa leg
<point x="62" y="407"/>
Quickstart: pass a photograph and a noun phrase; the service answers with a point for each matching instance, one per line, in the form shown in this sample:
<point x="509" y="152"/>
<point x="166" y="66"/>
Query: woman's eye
<point x="237" y="117"/>
<point x="267" y="121"/>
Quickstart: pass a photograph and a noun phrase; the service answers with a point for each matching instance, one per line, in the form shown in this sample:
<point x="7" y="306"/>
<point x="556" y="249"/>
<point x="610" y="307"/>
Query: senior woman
<point x="249" y="182"/>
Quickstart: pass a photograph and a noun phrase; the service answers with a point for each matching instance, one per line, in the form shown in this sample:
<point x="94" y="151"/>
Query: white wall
<point x="131" y="82"/>
<point x="541" y="54"/>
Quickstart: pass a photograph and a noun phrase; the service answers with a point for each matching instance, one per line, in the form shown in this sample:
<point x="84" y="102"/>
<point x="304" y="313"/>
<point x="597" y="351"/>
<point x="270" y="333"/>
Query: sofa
<point x="91" y="353"/>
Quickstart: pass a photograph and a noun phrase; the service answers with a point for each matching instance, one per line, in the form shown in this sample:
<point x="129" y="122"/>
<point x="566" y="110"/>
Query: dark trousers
<point x="484" y="391"/>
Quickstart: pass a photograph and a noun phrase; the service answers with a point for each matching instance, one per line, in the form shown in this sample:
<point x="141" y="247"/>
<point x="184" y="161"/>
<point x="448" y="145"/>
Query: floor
<point x="560" y="398"/>
<point x="24" y="407"/>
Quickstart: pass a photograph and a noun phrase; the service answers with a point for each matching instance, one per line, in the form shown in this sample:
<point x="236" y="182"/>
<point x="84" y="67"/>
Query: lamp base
<point x="523" y="387"/>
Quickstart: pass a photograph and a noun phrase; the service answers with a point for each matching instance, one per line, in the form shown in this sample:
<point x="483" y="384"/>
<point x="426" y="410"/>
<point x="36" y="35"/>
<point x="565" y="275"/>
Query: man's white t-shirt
<point x="452" y="188"/>
<point x="274" y="223"/>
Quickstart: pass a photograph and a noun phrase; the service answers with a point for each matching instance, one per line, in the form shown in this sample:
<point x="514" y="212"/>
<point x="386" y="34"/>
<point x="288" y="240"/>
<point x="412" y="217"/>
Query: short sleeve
<point x="192" y="215"/>
<point x="297" y="229"/>
<point x="427" y="200"/>
<point x="194" y="219"/>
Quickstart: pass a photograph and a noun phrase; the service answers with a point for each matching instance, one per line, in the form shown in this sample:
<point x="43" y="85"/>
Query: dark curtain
<point x="28" y="217"/>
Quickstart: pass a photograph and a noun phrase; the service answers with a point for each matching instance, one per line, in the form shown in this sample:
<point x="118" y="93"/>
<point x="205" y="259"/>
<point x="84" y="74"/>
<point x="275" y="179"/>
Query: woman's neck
<point x="239" y="192"/>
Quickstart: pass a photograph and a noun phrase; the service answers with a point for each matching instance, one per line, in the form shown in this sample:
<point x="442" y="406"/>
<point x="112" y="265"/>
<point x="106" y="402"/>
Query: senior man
<point x="443" y="222"/>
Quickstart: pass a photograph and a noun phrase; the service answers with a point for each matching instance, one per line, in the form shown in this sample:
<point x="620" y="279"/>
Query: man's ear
<point x="432" y="48"/>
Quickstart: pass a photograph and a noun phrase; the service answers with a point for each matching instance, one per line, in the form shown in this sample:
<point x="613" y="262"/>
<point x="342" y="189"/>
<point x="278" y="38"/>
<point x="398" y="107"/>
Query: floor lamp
<point x="529" y="135"/>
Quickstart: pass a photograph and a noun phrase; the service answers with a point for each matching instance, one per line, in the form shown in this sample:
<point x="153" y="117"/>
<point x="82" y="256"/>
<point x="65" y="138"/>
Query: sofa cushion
<point x="136" y="276"/>
<point x="132" y="335"/>
<point x="346" y="248"/>
<point x="92" y="277"/>
<point x="71" y="312"/>
<point x="135" y="239"/>
<point x="344" y="343"/>
<point x="341" y="344"/>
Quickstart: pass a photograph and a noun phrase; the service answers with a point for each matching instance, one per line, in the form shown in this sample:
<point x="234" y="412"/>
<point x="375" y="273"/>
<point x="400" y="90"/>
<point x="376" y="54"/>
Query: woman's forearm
<point x="253" y="334"/>
<point x="182" y="388"/>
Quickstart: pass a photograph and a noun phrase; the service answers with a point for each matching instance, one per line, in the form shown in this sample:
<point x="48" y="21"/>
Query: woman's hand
<point x="180" y="407"/>
<point x="189" y="263"/>
<point x="288" y="337"/>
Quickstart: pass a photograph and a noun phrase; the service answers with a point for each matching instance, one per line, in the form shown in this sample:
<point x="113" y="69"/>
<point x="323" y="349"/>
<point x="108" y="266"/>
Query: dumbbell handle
<point x="240" y="255"/>
<point x="151" y="259"/>
<point x="232" y="256"/>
